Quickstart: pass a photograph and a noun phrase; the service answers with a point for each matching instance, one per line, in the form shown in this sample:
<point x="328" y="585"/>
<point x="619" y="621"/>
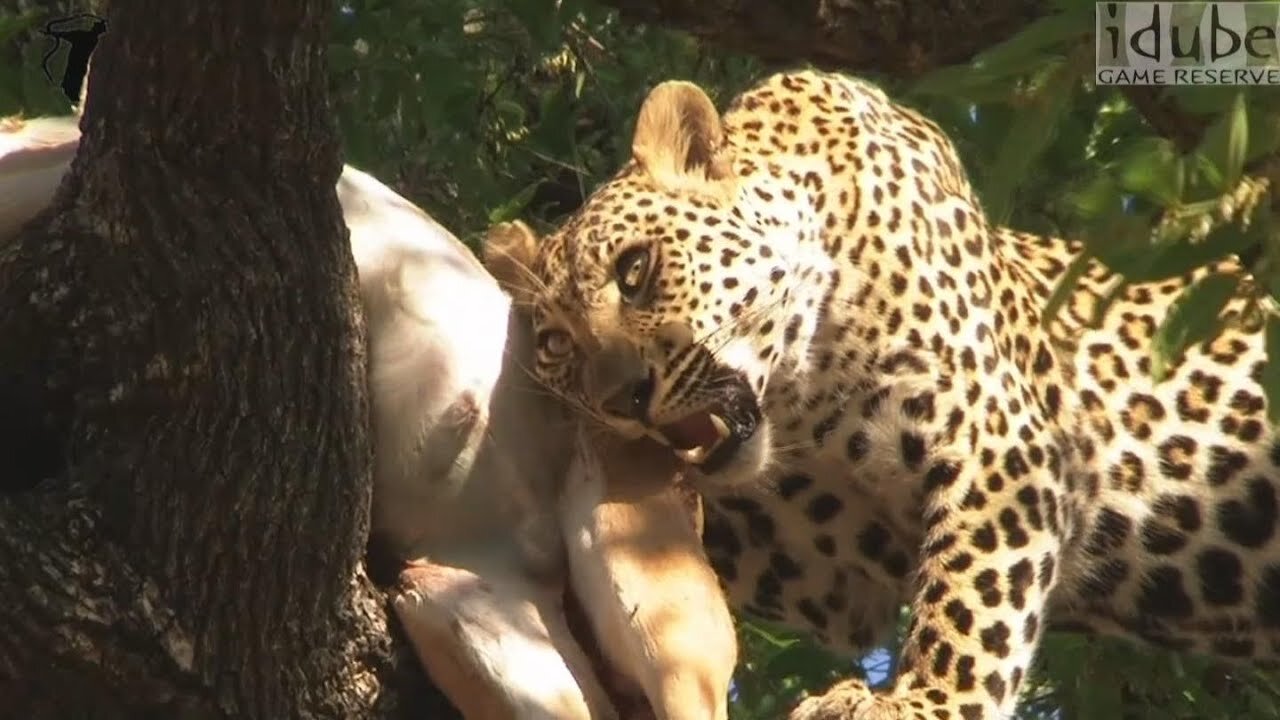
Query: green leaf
<point x="1262" y="704"/>
<point x="511" y="112"/>
<point x="1062" y="291"/>
<point x="1203" y="179"/>
<point x="1122" y="243"/>
<point x="992" y="74"/>
<point x="510" y="210"/>
<point x="757" y="629"/>
<point x="1036" y="41"/>
<point x="808" y="664"/>
<point x="1195" y="317"/>
<point x="1115" y="292"/>
<point x="1153" y="168"/>
<point x="1226" y="142"/>
<point x="1095" y="198"/>
<point x="1119" y="240"/>
<point x="1030" y="134"/>
<point x="1264" y="133"/>
<point x="11" y="25"/>
<point x="342" y="57"/>
<point x="539" y="19"/>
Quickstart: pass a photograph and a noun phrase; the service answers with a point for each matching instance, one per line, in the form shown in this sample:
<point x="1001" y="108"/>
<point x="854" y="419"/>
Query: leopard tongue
<point x="695" y="437"/>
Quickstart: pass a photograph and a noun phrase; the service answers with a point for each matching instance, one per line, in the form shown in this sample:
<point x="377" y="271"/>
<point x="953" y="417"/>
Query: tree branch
<point x="895" y="37"/>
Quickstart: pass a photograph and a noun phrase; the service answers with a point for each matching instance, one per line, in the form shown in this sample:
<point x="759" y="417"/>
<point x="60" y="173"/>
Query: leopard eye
<point x="555" y="343"/>
<point x="632" y="271"/>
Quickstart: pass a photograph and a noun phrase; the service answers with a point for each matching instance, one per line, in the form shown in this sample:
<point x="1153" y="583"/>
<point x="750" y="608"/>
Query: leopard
<point x="804" y="299"/>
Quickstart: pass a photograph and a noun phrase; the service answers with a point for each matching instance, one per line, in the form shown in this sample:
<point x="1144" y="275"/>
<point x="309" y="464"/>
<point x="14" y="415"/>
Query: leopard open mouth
<point x="709" y="438"/>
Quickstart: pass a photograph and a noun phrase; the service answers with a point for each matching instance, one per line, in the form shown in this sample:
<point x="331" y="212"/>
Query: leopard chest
<point x="872" y="430"/>
<point x="809" y="547"/>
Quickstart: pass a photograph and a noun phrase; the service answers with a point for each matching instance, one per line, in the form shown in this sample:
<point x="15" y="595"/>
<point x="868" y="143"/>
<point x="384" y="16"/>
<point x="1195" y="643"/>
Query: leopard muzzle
<point x="710" y="437"/>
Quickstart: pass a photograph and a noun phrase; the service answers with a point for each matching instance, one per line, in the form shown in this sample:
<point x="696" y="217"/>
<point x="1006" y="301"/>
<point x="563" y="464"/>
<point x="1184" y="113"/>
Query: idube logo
<point x="1187" y="43"/>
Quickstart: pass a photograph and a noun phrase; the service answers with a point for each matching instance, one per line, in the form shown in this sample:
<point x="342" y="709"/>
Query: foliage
<point x="501" y="109"/>
<point x="776" y="668"/>
<point x="23" y="85"/>
<point x="485" y="110"/>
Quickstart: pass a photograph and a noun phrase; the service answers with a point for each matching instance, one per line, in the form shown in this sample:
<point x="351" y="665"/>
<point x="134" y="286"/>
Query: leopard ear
<point x="508" y="253"/>
<point x="678" y="135"/>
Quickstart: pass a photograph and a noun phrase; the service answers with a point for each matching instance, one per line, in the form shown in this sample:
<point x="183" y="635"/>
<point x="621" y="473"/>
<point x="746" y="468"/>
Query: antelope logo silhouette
<point x="82" y="42"/>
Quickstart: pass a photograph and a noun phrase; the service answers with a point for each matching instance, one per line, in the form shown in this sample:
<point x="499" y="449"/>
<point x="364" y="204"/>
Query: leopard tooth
<point x="693" y="456"/>
<point x="722" y="429"/>
<point x="697" y="455"/>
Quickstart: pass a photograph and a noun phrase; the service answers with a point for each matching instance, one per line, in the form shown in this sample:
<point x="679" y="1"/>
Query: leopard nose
<point x="631" y="401"/>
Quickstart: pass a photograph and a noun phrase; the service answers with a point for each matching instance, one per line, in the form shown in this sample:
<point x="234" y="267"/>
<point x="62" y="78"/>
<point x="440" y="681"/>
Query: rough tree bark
<point x="183" y="413"/>
<point x="900" y="37"/>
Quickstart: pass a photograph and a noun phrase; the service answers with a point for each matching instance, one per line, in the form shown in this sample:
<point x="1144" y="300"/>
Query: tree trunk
<point x="897" y="37"/>
<point x="183" y="412"/>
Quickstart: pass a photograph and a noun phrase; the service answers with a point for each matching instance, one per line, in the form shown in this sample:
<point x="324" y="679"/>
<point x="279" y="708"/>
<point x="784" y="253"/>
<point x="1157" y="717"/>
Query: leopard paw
<point x="853" y="700"/>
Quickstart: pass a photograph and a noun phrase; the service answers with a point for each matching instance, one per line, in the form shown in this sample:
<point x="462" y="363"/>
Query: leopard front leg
<point x="987" y="565"/>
